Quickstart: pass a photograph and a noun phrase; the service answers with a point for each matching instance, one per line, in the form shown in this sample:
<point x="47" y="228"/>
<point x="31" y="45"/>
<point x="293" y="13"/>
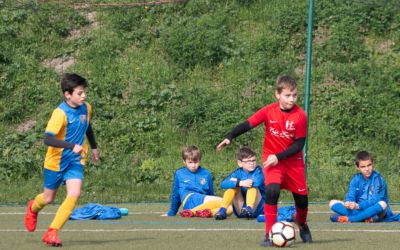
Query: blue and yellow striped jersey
<point x="67" y="124"/>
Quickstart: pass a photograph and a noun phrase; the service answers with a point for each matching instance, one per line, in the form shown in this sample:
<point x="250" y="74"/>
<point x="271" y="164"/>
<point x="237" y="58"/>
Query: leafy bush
<point x="192" y="41"/>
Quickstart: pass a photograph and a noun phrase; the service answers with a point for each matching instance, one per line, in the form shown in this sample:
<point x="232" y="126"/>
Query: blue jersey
<point x="239" y="174"/>
<point x="187" y="182"/>
<point x="67" y="124"/>
<point x="368" y="192"/>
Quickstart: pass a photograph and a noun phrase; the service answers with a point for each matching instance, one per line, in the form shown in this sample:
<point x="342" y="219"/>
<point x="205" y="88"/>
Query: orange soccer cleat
<point x="30" y="218"/>
<point x="338" y="218"/>
<point x="51" y="238"/>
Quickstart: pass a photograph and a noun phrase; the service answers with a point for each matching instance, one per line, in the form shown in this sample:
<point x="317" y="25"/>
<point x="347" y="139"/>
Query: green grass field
<point x="144" y="228"/>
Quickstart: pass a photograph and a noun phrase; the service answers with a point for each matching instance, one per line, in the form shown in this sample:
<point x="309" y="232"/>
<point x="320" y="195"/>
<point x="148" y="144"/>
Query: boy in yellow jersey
<point x="66" y="155"/>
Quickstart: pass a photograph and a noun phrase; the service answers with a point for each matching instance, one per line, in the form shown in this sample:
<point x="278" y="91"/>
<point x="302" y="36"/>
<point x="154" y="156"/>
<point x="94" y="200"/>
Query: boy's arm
<point x="211" y="188"/>
<point x="292" y="149"/>
<point x="175" y="199"/>
<point x="236" y="131"/>
<point x="90" y="137"/>
<point x="351" y="193"/>
<point x="231" y="181"/>
<point x="377" y="195"/>
<point x="258" y="176"/>
<point x="51" y="140"/>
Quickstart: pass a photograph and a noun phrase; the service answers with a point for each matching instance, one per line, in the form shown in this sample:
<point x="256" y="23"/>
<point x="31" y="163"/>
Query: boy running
<point x="66" y="155"/>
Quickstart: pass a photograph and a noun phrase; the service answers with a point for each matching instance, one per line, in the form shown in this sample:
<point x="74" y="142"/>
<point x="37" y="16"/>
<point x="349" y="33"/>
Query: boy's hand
<point x="223" y="144"/>
<point x="246" y="183"/>
<point x="95" y="155"/>
<point x="351" y="205"/>
<point x="77" y="149"/>
<point x="164" y="215"/>
<point x="271" y="161"/>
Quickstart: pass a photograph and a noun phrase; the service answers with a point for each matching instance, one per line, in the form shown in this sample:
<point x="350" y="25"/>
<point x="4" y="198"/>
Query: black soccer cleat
<point x="266" y="242"/>
<point x="305" y="233"/>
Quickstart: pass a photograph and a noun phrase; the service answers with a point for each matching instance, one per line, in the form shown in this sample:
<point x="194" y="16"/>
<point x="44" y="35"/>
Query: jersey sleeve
<point x="258" y="176"/>
<point x="211" y="187"/>
<point x="301" y="130"/>
<point x="258" y="117"/>
<point x="89" y="109"/>
<point x="57" y="121"/>
<point x="175" y="199"/>
<point x="351" y="193"/>
<point x="230" y="181"/>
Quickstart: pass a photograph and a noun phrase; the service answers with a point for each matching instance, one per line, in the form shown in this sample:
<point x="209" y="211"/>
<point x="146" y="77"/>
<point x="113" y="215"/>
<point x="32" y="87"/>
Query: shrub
<point x="192" y="41"/>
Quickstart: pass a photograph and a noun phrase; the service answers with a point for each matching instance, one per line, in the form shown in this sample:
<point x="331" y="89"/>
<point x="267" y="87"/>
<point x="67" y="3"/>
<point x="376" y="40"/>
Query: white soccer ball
<point x="282" y="234"/>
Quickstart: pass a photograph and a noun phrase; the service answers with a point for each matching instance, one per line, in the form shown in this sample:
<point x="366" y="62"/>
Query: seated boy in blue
<point x="193" y="188"/>
<point x="244" y="187"/>
<point x="367" y="198"/>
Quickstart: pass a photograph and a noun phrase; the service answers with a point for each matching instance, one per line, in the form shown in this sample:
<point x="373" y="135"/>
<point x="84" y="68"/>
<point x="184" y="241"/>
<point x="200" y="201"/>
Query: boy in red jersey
<point x="285" y="135"/>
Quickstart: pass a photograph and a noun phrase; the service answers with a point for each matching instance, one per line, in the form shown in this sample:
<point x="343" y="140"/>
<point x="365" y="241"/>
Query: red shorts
<point x="290" y="175"/>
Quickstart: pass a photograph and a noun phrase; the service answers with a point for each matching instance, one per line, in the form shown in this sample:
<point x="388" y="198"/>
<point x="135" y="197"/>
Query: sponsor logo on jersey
<point x="82" y="118"/>
<point x="290" y="125"/>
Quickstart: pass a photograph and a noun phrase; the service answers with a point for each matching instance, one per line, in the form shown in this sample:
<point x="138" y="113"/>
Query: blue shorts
<point x="194" y="200"/>
<point x="53" y="179"/>
<point x="258" y="211"/>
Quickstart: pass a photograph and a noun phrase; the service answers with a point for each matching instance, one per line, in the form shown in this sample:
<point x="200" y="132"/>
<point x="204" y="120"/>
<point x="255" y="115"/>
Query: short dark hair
<point x="285" y="82"/>
<point x="192" y="153"/>
<point x="70" y="81"/>
<point x="244" y="153"/>
<point x="363" y="156"/>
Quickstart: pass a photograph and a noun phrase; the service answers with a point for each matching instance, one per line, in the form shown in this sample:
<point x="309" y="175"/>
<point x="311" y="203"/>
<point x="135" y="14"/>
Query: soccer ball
<point x="282" y="234"/>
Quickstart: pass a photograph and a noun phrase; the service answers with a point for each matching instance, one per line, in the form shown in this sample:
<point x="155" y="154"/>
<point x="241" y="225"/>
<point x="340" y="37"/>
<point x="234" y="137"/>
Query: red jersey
<point x="281" y="129"/>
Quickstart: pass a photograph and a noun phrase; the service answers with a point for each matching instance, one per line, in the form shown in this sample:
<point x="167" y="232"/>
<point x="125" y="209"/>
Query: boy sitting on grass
<point x="193" y="188"/>
<point x="244" y="188"/>
<point x="367" y="198"/>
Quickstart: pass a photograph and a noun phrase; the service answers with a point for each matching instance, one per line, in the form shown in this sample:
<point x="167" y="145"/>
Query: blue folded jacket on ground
<point x="284" y="214"/>
<point x="94" y="211"/>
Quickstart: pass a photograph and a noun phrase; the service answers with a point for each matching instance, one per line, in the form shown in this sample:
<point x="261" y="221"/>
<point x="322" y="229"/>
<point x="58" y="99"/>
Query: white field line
<point x="200" y="230"/>
<point x="147" y="213"/>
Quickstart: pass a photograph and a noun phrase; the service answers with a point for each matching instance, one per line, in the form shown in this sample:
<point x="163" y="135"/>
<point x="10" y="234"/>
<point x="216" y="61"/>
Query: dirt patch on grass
<point x="59" y="64"/>
<point x="26" y="126"/>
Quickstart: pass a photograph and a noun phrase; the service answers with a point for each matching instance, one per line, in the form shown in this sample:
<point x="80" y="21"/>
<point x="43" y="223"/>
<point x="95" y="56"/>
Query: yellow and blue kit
<point x="68" y="125"/>
<point x="257" y="175"/>
<point x="190" y="188"/>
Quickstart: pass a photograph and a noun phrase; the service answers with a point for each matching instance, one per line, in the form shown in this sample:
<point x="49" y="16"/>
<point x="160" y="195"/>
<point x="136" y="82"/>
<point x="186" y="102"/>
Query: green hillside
<point x="164" y="76"/>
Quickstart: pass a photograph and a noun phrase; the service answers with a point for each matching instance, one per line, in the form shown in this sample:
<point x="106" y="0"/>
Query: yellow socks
<point x="227" y="199"/>
<point x="64" y="212"/>
<point x="208" y="205"/>
<point x="38" y="203"/>
<point x="251" y="196"/>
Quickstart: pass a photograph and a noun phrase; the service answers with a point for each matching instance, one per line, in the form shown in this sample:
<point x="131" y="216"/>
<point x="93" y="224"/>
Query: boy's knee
<point x="272" y="194"/>
<point x="333" y="202"/>
<point x="75" y="194"/>
<point x="383" y="204"/>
